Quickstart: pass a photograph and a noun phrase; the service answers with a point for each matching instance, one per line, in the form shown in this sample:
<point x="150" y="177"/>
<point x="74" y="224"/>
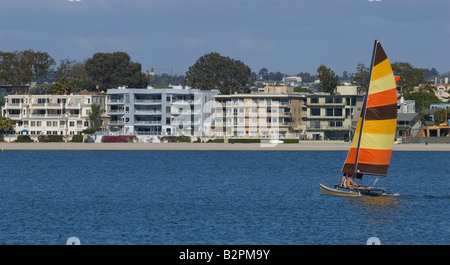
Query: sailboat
<point x="372" y="143"/>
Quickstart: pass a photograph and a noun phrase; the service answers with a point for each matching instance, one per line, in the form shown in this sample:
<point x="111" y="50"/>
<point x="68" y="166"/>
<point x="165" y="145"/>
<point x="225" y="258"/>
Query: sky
<point x="289" y="36"/>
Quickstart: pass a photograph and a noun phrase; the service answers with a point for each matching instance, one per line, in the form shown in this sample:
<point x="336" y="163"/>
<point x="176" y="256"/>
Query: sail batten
<point x="373" y="141"/>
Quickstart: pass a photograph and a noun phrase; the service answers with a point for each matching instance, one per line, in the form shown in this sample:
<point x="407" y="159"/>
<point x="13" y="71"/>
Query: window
<point x="338" y="112"/>
<point x="71" y="123"/>
<point x="38" y="123"/>
<point x="329" y="112"/>
<point x="337" y="100"/>
<point x="314" y="124"/>
<point x="315" y="111"/>
<point x="328" y="100"/>
<point x="49" y="123"/>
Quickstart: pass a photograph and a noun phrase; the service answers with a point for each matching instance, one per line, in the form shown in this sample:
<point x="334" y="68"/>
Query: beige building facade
<point x="259" y="115"/>
<point x="35" y="115"/>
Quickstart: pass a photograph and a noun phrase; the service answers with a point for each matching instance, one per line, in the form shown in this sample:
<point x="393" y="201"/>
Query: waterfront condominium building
<point x="35" y="115"/>
<point x="173" y="111"/>
<point x="333" y="117"/>
<point x="274" y="113"/>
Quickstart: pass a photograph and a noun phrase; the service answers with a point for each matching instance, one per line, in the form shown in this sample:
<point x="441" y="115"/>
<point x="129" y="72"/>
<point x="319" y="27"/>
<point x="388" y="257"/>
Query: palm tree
<point x="95" y="116"/>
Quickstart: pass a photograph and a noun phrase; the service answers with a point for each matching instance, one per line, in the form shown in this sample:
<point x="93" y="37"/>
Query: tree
<point x="95" y="116"/>
<point x="441" y="115"/>
<point x="423" y="97"/>
<point x="264" y="73"/>
<point x="109" y="70"/>
<point x="6" y="125"/>
<point x="409" y="75"/>
<point x="62" y="87"/>
<point x="361" y="78"/>
<point x="213" y="71"/>
<point x="19" y="68"/>
<point x="328" y="79"/>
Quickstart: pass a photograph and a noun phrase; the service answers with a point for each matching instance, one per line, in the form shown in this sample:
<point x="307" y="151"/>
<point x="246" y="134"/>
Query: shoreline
<point x="317" y="146"/>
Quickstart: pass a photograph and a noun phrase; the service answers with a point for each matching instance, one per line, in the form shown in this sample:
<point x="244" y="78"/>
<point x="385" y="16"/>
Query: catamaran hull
<point x="329" y="191"/>
<point x="352" y="193"/>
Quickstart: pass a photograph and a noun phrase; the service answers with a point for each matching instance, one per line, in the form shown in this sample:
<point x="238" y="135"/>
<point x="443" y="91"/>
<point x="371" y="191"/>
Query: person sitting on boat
<point x="350" y="183"/>
<point x="344" y="176"/>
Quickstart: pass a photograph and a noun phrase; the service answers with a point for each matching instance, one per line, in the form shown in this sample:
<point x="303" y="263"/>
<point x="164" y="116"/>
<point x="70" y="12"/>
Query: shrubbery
<point x="215" y="141"/>
<point x="77" y="138"/>
<point x="245" y="141"/>
<point x="175" y="139"/>
<point x="50" y="138"/>
<point x="24" y="139"/>
<point x="119" y="139"/>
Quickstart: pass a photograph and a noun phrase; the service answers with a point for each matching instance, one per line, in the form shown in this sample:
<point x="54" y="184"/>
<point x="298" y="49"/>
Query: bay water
<point x="216" y="197"/>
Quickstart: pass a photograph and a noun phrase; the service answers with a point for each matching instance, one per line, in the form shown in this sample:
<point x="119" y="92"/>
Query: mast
<point x="364" y="109"/>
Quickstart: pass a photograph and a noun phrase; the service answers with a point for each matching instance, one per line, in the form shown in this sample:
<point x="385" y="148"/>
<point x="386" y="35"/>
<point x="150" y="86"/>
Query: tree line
<point x="211" y="71"/>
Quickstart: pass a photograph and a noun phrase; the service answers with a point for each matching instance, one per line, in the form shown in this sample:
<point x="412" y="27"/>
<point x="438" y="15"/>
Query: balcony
<point x="116" y="112"/>
<point x="136" y="122"/>
<point x="115" y="101"/>
<point x="147" y="101"/>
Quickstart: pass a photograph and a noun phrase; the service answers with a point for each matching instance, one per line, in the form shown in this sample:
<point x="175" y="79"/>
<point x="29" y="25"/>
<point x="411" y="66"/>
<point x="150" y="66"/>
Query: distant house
<point x="408" y="124"/>
<point x="408" y="121"/>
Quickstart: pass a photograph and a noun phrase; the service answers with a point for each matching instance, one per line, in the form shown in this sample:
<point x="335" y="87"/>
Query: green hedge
<point x="77" y="138"/>
<point x="290" y="141"/>
<point x="215" y="141"/>
<point x="244" y="141"/>
<point x="50" y="138"/>
<point x="24" y="139"/>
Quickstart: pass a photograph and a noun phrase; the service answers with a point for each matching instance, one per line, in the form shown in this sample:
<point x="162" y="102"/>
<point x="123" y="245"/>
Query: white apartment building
<point x="150" y="112"/>
<point x="65" y="115"/>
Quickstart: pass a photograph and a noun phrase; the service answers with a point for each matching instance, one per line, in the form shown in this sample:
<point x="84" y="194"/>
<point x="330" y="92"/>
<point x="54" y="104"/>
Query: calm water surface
<point x="216" y="197"/>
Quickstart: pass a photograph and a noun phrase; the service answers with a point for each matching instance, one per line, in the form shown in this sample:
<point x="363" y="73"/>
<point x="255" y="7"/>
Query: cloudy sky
<point x="288" y="36"/>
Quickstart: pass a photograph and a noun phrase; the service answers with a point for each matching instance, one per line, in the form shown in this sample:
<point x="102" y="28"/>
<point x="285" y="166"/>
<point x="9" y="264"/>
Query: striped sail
<point x="372" y="148"/>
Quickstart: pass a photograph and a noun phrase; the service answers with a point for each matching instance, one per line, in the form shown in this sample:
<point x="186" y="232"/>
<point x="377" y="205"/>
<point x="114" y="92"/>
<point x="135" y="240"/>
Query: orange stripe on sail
<point x="351" y="156"/>
<point x="387" y="97"/>
<point x="374" y="156"/>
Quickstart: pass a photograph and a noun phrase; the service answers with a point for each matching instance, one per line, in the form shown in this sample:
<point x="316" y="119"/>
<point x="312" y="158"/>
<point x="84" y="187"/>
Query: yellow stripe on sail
<point x="358" y="127"/>
<point x="380" y="126"/>
<point x="382" y="84"/>
<point x="381" y="70"/>
<point x="376" y="141"/>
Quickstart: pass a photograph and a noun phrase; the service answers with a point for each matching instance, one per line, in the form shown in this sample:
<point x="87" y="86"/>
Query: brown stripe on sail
<point x="366" y="169"/>
<point x="380" y="55"/>
<point x="386" y="112"/>
<point x="372" y="169"/>
<point x="348" y="169"/>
